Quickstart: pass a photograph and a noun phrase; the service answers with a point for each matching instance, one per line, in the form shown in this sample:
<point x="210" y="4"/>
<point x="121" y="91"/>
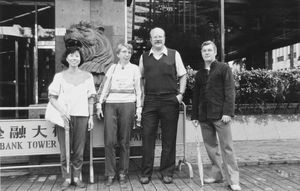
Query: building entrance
<point x="27" y="53"/>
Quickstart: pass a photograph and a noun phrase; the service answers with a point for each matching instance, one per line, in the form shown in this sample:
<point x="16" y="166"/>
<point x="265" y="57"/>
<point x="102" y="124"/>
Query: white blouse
<point x="74" y="98"/>
<point x="126" y="78"/>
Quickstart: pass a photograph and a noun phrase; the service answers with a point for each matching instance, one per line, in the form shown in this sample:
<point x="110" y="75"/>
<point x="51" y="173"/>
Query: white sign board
<point x="27" y="137"/>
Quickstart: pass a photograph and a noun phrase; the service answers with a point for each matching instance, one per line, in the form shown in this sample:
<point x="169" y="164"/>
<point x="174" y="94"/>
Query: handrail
<point x="21" y="108"/>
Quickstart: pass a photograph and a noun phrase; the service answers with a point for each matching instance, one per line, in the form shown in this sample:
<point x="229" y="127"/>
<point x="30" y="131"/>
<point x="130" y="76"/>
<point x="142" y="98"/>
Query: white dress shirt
<point x="180" y="69"/>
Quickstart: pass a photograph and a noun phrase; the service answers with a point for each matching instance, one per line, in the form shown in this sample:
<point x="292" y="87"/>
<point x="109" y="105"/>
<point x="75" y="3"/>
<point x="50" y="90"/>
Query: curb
<point x="256" y="163"/>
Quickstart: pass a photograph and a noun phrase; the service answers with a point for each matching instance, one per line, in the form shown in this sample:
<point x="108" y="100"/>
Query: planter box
<point x="258" y="127"/>
<point x="267" y="108"/>
<point x="264" y="127"/>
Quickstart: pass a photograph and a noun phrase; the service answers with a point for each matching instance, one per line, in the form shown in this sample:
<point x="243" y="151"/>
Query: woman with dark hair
<point x="122" y="96"/>
<point x="72" y="94"/>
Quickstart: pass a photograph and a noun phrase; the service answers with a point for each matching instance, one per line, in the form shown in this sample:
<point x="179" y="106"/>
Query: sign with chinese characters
<point x="27" y="137"/>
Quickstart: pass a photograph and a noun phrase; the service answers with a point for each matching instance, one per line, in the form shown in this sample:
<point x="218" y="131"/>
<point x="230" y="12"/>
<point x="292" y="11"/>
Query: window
<point x="280" y="58"/>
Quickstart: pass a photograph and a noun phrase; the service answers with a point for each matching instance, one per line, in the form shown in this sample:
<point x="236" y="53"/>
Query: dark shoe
<point x="211" y="181"/>
<point x="144" y="180"/>
<point x="122" y="178"/>
<point x="167" y="179"/>
<point x="65" y="185"/>
<point x="110" y="180"/>
<point x="79" y="184"/>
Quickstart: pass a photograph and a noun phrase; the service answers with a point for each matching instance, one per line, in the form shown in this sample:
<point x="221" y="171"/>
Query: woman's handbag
<point x="53" y="115"/>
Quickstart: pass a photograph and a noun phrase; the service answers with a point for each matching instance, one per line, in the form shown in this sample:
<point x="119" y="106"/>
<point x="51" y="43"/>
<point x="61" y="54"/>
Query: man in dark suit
<point x="213" y="108"/>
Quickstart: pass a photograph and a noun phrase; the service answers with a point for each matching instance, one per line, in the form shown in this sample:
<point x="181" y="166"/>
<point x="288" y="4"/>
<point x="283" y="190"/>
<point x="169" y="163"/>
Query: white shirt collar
<point x="164" y="51"/>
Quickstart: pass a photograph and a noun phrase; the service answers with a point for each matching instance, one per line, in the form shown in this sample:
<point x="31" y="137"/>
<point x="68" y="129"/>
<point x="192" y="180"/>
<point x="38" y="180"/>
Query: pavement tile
<point x="253" y="152"/>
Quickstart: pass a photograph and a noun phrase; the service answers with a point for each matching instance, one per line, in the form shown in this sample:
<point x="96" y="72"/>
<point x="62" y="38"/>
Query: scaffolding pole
<point x="222" y="24"/>
<point x="35" y="58"/>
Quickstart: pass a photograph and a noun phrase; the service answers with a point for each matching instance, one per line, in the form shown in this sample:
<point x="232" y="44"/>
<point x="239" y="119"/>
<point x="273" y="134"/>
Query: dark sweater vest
<point x="160" y="75"/>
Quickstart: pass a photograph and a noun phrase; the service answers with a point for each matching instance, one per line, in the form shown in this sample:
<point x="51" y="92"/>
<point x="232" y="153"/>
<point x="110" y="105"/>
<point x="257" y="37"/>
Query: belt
<point x="121" y="91"/>
<point x="160" y="94"/>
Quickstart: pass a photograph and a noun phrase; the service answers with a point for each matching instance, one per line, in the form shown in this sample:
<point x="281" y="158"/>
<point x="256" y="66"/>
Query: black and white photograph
<point x="150" y="95"/>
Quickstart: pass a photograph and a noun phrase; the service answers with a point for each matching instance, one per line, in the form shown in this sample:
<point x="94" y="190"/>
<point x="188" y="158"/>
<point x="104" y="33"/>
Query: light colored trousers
<point x="210" y="129"/>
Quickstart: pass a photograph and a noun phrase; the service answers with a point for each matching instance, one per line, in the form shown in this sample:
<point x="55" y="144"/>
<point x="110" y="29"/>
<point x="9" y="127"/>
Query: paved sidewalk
<point x="271" y="165"/>
<point x="276" y="177"/>
<point x="253" y="152"/>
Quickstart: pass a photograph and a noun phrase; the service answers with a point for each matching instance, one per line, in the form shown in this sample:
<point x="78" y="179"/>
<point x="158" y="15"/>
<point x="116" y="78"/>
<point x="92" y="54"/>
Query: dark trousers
<point x="118" y="122"/>
<point x="166" y="110"/>
<point x="78" y="128"/>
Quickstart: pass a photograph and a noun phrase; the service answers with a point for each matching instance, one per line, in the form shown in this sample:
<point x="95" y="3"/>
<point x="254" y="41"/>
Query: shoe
<point x="65" y="185"/>
<point x="167" y="179"/>
<point x="79" y="184"/>
<point x="110" y="180"/>
<point x="144" y="180"/>
<point x="235" y="187"/>
<point x="122" y="178"/>
<point x="211" y="181"/>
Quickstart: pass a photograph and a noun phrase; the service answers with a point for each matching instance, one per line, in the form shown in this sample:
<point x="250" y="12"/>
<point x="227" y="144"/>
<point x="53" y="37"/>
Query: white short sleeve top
<point x="74" y="98"/>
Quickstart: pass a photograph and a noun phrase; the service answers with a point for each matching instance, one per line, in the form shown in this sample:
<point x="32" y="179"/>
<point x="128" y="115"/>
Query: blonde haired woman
<point x="122" y="95"/>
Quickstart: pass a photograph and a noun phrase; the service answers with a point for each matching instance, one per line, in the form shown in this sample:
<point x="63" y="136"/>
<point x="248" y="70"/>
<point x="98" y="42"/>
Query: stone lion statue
<point x="95" y="47"/>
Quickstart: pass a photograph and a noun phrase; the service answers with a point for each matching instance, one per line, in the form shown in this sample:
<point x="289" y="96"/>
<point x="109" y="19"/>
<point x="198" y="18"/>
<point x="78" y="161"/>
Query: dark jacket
<point x="213" y="93"/>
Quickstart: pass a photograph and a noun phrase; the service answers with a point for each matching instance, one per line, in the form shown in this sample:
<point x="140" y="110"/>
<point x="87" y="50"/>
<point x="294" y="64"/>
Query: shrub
<point x="190" y="77"/>
<point x="265" y="86"/>
<point x="261" y="86"/>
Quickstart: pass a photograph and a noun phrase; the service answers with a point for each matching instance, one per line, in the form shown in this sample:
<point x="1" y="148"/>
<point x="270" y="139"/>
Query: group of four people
<point x="150" y="94"/>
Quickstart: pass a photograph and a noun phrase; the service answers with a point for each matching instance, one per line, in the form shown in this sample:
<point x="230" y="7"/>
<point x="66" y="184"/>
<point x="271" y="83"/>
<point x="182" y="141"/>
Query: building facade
<point x="31" y="42"/>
